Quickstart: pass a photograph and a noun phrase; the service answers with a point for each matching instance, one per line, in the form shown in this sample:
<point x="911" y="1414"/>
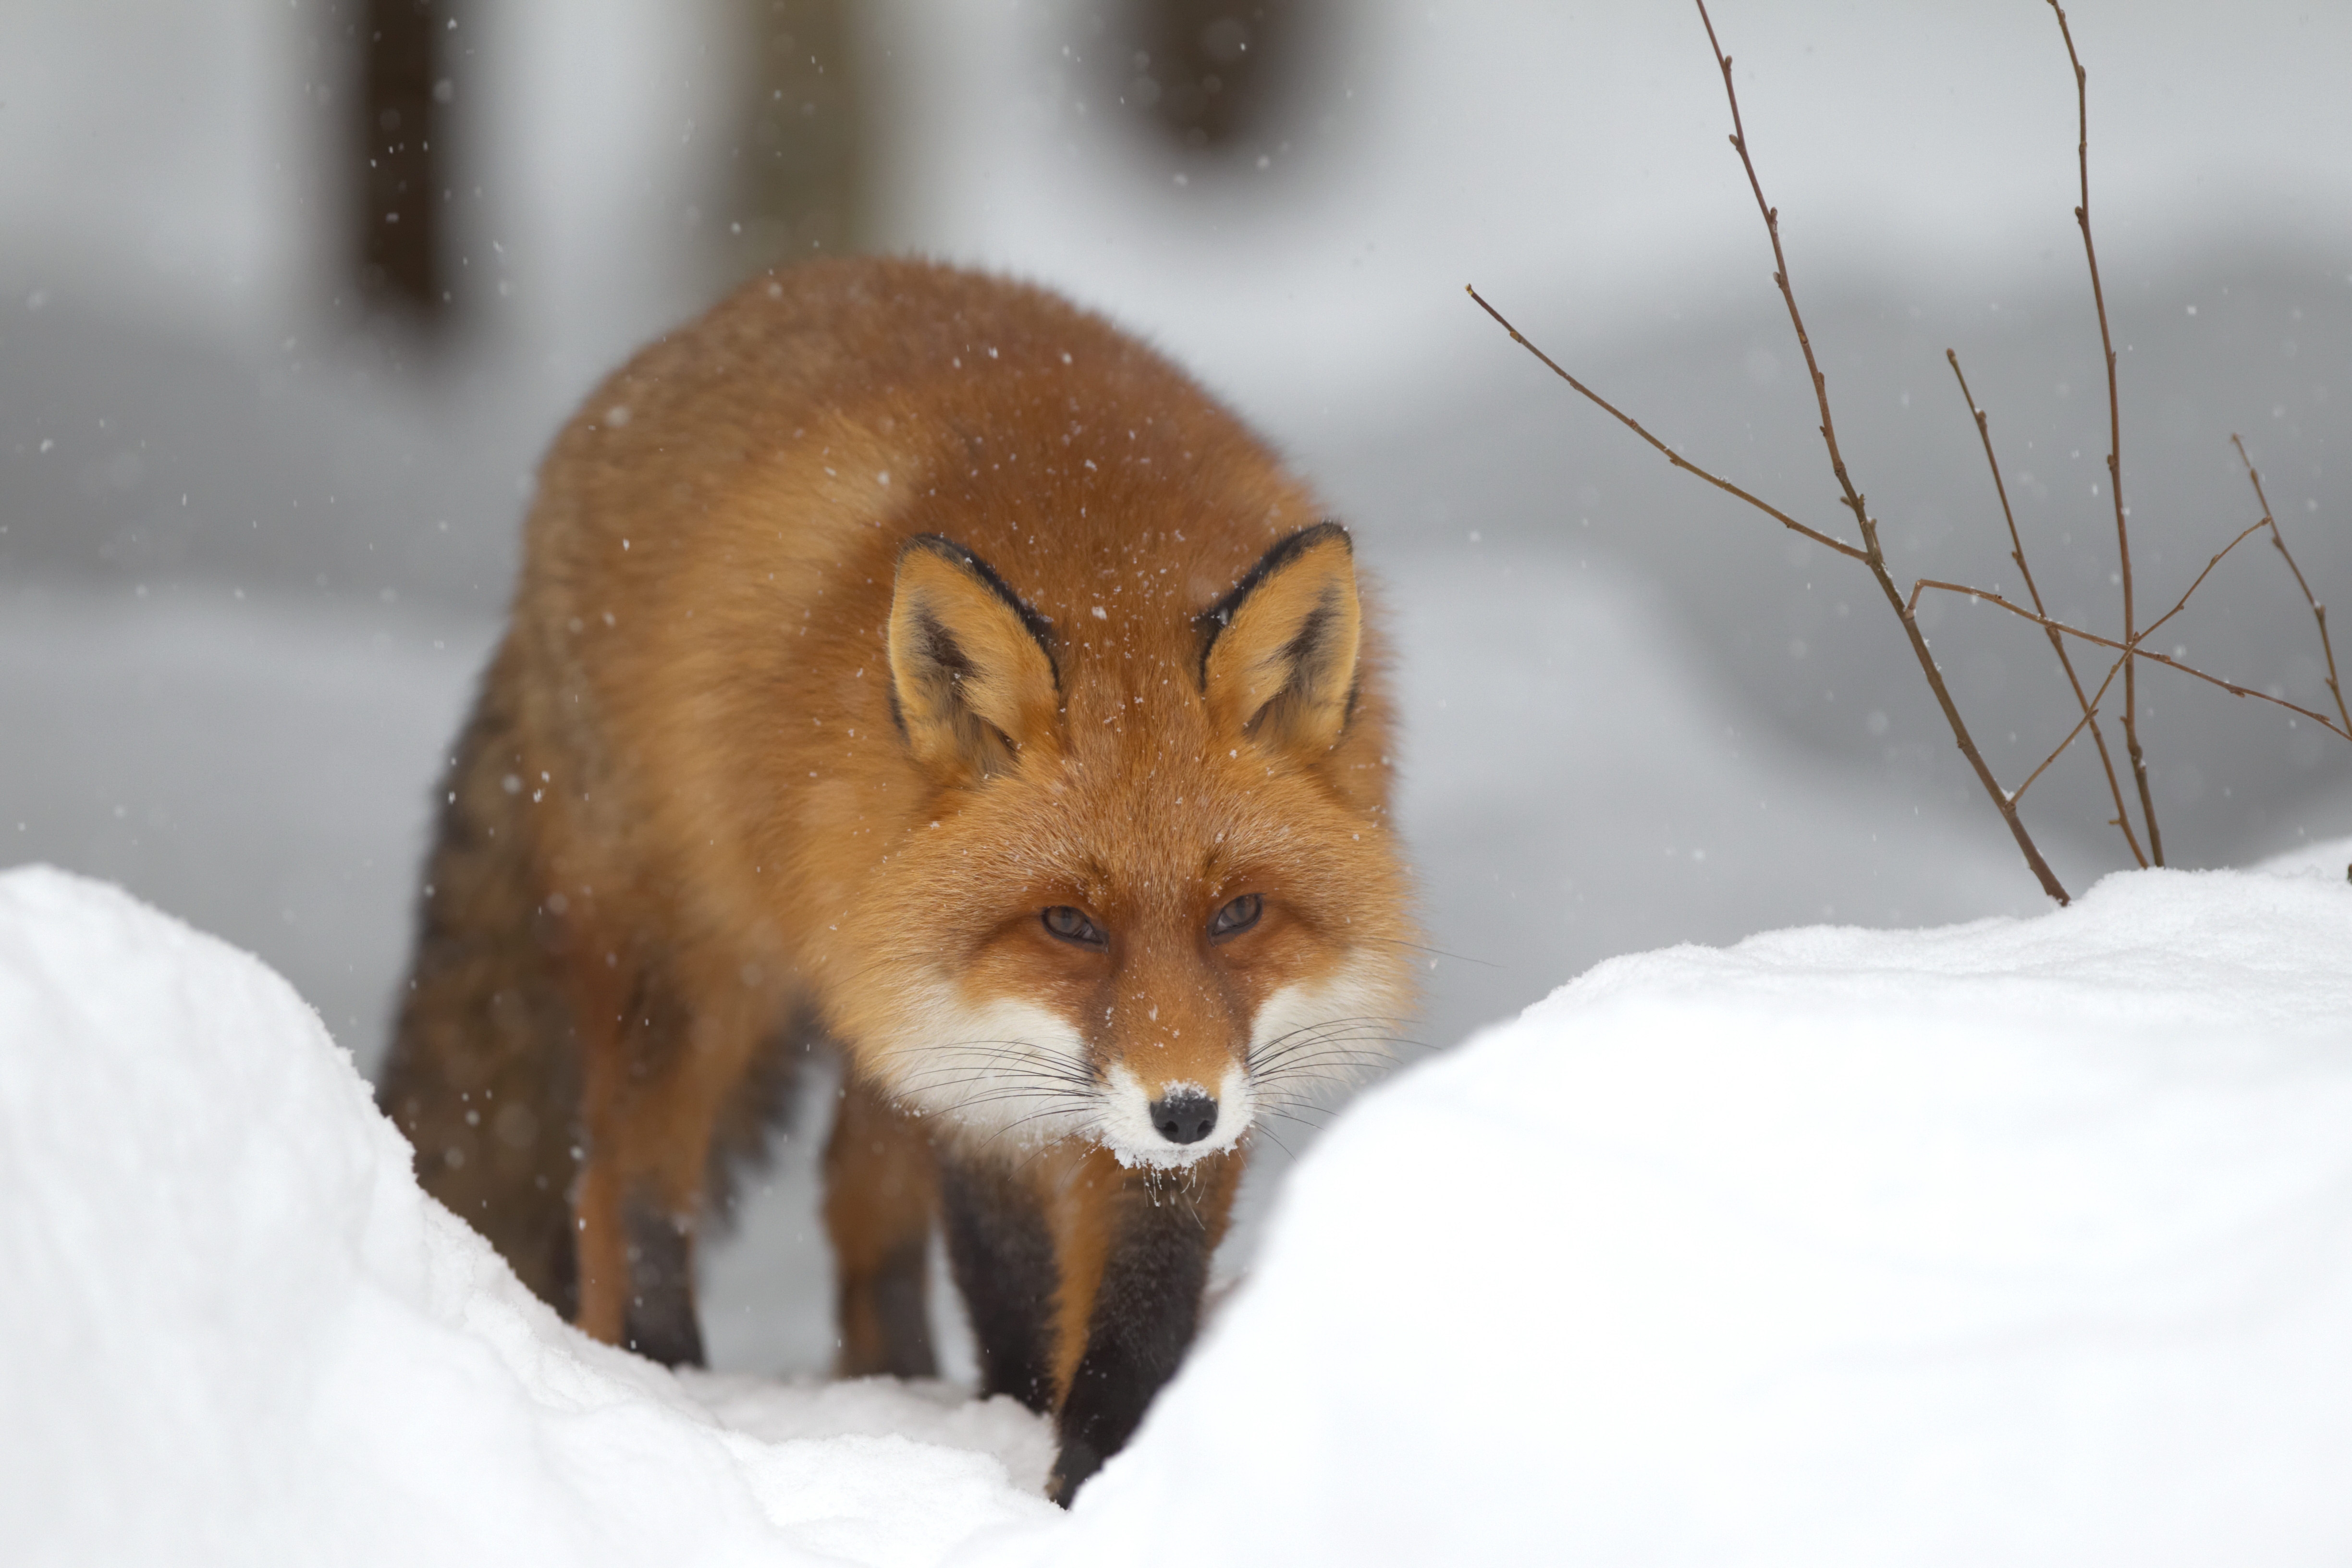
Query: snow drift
<point x="2023" y="1241"/>
<point x="2019" y="1242"/>
<point x="234" y="1330"/>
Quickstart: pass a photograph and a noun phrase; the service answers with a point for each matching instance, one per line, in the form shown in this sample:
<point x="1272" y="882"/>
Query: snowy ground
<point x="2018" y="1241"/>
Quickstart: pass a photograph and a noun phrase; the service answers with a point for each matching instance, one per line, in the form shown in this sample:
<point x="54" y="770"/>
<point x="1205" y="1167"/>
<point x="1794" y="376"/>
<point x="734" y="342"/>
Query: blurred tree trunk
<point x="403" y="176"/>
<point x="797" y="185"/>
<point x="1216" y="73"/>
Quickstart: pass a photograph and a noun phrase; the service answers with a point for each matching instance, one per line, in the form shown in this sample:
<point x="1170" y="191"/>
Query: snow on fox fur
<point x="2026" y="1241"/>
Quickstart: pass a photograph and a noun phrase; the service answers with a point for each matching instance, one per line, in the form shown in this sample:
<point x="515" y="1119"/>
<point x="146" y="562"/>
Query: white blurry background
<point x="254" y="542"/>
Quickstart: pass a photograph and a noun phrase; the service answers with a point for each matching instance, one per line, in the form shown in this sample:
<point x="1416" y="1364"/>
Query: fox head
<point x="1152" y="893"/>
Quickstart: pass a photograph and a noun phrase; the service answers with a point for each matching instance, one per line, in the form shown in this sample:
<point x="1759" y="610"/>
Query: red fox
<point x="904" y="658"/>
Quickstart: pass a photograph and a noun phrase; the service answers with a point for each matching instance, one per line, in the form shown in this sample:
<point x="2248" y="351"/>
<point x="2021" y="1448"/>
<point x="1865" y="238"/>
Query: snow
<point x="2018" y="1240"/>
<point x="236" y="1332"/>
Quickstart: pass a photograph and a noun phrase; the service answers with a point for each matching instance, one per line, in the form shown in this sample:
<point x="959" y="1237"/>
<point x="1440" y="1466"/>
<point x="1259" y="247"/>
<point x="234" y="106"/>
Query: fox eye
<point x="1072" y="925"/>
<point x="1237" y="916"/>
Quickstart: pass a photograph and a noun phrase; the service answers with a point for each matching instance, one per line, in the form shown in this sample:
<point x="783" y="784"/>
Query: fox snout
<point x="1174" y="1122"/>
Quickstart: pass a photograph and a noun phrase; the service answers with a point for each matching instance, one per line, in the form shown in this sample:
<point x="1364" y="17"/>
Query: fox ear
<point x="1280" y="665"/>
<point x="973" y="680"/>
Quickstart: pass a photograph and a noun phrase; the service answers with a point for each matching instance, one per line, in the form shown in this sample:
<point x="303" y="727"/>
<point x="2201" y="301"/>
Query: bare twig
<point x="2060" y="749"/>
<point x="2122" y="819"/>
<point x="2150" y="630"/>
<point x="2318" y="610"/>
<point x="2183" y="603"/>
<point x="2114" y="435"/>
<point x="1852" y="498"/>
<point x="2132" y="649"/>
<point x="1676" y="458"/>
<point x="1873" y="556"/>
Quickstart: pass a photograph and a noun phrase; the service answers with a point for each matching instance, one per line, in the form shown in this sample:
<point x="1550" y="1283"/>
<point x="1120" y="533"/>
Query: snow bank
<point x="2025" y="1241"/>
<point x="232" y="1329"/>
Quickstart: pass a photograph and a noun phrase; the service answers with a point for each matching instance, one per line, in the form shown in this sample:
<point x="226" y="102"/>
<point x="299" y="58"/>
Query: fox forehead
<point x="1132" y="691"/>
<point x="1142" y="832"/>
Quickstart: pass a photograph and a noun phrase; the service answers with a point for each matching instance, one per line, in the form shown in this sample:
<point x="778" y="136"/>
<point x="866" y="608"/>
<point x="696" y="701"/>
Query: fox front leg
<point x="1146" y="1310"/>
<point x="1001" y="1247"/>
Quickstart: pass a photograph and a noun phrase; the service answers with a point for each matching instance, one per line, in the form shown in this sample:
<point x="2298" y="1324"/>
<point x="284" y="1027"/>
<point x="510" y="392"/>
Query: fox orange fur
<point x="904" y="657"/>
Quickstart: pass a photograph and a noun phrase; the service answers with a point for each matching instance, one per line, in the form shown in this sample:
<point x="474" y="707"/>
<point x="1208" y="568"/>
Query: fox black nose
<point x="1186" y="1116"/>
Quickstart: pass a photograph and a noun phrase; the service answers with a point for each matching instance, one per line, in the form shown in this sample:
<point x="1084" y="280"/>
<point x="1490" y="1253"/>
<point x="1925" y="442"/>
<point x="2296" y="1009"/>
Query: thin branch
<point x="2177" y="604"/>
<point x="2068" y="738"/>
<point x="1771" y="214"/>
<point x="2131" y="648"/>
<point x="2318" y="610"/>
<point x="1676" y="458"/>
<point x="2114" y="435"/>
<point x="2059" y="750"/>
<point x="1873" y="556"/>
<point x="2129" y="651"/>
<point x="2122" y="817"/>
<point x="2153" y="627"/>
<point x="2183" y="603"/>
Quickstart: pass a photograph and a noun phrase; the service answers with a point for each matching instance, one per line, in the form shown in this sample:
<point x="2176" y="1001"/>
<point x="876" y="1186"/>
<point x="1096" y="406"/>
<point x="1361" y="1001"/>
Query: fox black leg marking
<point x="1145" y="1313"/>
<point x="898" y="1297"/>
<point x="660" y="1324"/>
<point x="1003" y="1260"/>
